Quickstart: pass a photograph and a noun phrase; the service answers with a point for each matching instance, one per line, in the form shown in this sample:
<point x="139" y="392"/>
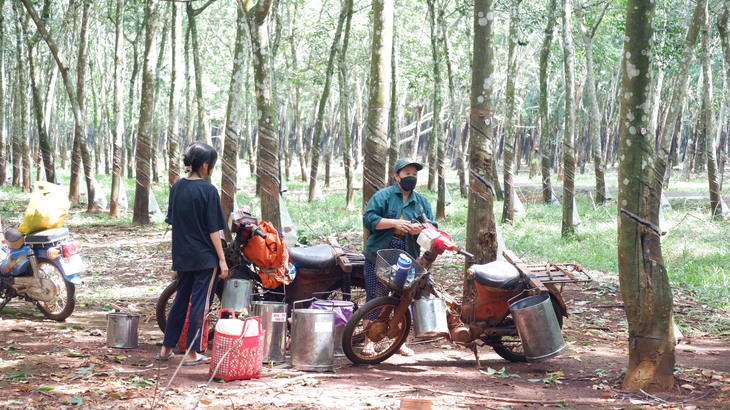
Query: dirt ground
<point x="45" y="364"/>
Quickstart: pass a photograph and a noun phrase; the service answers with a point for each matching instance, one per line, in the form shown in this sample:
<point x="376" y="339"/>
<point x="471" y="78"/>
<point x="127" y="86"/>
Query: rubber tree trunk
<point x="3" y="135"/>
<point x="234" y="115"/>
<point x="481" y="232"/>
<point x="587" y="35"/>
<point x="144" y="129"/>
<point x="681" y="83"/>
<point x="173" y="128"/>
<point x="21" y="151"/>
<point x="437" y="131"/>
<point x="547" y="189"/>
<point x="376" y="130"/>
<point x="203" y="128"/>
<point x="643" y="278"/>
<point x="345" y="119"/>
<point x="268" y="143"/>
<point x="722" y="26"/>
<point x="118" y="107"/>
<point x="710" y="145"/>
<point x="508" y="156"/>
<point x="569" y="134"/>
<point x="318" y="125"/>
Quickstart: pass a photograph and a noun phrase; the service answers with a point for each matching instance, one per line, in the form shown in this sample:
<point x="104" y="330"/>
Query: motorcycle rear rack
<point x="555" y="273"/>
<point x="549" y="273"/>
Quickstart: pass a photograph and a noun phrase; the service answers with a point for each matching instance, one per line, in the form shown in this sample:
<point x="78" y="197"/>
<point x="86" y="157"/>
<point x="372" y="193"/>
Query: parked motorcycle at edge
<point x="482" y="317"/>
<point x="42" y="268"/>
<point x="321" y="271"/>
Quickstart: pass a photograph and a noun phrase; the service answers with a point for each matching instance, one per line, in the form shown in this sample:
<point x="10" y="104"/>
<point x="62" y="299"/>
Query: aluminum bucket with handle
<point x="538" y="327"/>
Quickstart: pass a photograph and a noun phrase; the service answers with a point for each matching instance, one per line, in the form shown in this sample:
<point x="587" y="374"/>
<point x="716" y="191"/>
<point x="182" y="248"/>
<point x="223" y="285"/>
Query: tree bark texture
<point x="3" y="135"/>
<point x="569" y="134"/>
<point x="643" y="277"/>
<point x="118" y="108"/>
<point x="144" y="129"/>
<point x="547" y="189"/>
<point x="268" y="141"/>
<point x="508" y="156"/>
<point x="22" y="151"/>
<point x="722" y="26"/>
<point x="234" y="115"/>
<point x="376" y="128"/>
<point x="318" y="125"/>
<point x="481" y="233"/>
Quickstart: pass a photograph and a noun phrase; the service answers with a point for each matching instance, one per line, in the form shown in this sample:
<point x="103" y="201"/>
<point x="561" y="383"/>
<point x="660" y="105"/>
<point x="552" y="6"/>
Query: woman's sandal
<point x="165" y="358"/>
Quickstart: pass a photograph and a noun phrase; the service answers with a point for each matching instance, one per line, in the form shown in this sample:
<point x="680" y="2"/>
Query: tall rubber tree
<point x="118" y="110"/>
<point x="257" y="14"/>
<point x="569" y="134"/>
<point x="544" y="106"/>
<point x="724" y="30"/>
<point x="376" y="124"/>
<point x="481" y="228"/>
<point x="3" y="135"/>
<point x="76" y="98"/>
<point x="508" y="210"/>
<point x="587" y="34"/>
<point x="709" y="122"/>
<point x="234" y="115"/>
<point x="681" y="84"/>
<point x="345" y="112"/>
<point x="323" y="99"/>
<point x="21" y="154"/>
<point x="173" y="128"/>
<point x="203" y="128"/>
<point x="437" y="131"/>
<point x="146" y="111"/>
<point x="643" y="277"/>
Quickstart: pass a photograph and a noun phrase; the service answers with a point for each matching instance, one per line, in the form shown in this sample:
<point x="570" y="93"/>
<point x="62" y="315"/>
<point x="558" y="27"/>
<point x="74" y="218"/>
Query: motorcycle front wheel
<point x="63" y="304"/>
<point x="164" y="303"/>
<point x="368" y="328"/>
<point x="510" y="347"/>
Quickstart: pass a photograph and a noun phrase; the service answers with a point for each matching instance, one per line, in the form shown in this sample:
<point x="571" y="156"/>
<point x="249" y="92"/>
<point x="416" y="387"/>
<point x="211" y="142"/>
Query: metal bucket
<point x="342" y="310"/>
<point x="121" y="330"/>
<point x="237" y="295"/>
<point x="538" y="327"/>
<point x="273" y="321"/>
<point x="429" y="318"/>
<point x="312" y="331"/>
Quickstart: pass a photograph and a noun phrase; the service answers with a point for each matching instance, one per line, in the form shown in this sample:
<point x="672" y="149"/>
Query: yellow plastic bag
<point x="48" y="208"/>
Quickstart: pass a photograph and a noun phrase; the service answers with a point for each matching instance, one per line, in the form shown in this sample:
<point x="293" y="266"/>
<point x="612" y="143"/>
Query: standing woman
<point x="387" y="218"/>
<point x="194" y="211"/>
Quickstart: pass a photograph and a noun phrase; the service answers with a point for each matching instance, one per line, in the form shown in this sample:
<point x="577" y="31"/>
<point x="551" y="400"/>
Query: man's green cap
<point x="405" y="161"/>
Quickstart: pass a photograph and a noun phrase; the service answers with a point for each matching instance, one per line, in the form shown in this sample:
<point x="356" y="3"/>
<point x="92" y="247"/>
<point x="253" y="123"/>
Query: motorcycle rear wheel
<point x="164" y="303"/>
<point x="64" y="302"/>
<point x="510" y="347"/>
<point x="381" y="310"/>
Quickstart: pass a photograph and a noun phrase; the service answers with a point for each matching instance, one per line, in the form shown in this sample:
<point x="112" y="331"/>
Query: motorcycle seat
<point x="313" y="257"/>
<point x="497" y="274"/>
<point x="14" y="238"/>
<point x="46" y="236"/>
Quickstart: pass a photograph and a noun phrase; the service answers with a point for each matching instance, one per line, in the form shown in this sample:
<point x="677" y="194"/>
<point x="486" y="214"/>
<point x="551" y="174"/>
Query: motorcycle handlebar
<point x="255" y="229"/>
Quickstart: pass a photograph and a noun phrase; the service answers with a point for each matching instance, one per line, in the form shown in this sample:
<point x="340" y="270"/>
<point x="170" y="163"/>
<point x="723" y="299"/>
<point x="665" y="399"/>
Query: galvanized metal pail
<point x="429" y="318"/>
<point x="237" y="295"/>
<point x="343" y="310"/>
<point x="121" y="330"/>
<point x="538" y="327"/>
<point x="312" y="347"/>
<point x="273" y="321"/>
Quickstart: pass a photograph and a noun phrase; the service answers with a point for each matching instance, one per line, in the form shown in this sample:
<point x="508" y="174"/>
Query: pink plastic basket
<point x="237" y="357"/>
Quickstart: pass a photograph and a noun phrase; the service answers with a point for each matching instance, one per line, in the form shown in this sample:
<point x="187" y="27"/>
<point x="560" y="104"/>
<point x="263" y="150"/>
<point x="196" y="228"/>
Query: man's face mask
<point x="408" y="183"/>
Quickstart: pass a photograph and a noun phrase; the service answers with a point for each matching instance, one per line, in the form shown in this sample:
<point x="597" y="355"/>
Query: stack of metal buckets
<point x="316" y="332"/>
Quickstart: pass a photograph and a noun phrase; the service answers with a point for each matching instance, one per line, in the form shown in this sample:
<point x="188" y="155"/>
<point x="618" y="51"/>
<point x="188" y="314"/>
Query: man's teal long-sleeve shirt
<point x="388" y="203"/>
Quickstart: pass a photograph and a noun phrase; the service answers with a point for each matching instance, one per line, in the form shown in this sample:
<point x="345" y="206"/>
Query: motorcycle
<point x="317" y="272"/>
<point x="482" y="317"/>
<point x="43" y="268"/>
